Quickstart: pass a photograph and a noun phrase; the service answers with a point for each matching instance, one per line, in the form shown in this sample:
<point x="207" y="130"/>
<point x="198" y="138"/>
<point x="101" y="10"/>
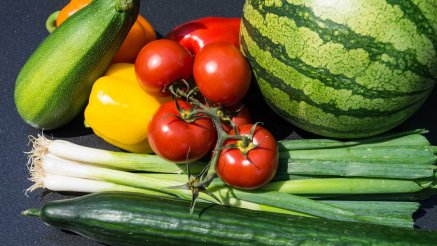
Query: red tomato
<point x="255" y="169"/>
<point x="160" y="63"/>
<point x="222" y="73"/>
<point x="240" y="116"/>
<point x="176" y="140"/>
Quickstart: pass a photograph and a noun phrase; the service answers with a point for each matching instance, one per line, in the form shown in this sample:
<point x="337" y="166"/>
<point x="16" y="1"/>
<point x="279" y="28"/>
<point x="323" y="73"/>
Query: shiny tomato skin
<point x="257" y="168"/>
<point x="160" y="63"/>
<point x="222" y="73"/>
<point x="176" y="140"/>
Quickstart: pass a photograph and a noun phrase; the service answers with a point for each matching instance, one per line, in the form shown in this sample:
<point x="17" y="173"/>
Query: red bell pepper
<point x="196" y="34"/>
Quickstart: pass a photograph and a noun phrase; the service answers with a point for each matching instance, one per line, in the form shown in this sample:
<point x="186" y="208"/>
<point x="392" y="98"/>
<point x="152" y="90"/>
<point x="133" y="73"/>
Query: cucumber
<point x="54" y="84"/>
<point x="117" y="218"/>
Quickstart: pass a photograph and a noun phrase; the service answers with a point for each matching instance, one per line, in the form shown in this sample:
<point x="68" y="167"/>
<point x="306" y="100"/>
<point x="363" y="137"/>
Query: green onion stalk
<point x="409" y="156"/>
<point x="64" y="175"/>
<point x="63" y="166"/>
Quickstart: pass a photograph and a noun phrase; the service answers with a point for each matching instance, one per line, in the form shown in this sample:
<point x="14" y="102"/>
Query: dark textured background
<point x="22" y="28"/>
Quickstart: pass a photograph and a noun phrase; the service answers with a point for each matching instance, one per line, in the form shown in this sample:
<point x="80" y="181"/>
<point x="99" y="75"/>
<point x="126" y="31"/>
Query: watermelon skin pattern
<point x="342" y="68"/>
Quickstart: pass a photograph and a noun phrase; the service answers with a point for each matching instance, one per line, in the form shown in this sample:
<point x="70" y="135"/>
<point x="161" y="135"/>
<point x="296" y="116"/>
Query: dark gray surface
<point x="22" y="28"/>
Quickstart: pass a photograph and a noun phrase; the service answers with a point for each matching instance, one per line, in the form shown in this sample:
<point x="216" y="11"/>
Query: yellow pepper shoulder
<point x="119" y="111"/>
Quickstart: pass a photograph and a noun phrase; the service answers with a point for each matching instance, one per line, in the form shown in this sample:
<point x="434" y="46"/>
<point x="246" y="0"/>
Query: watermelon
<point x="345" y="68"/>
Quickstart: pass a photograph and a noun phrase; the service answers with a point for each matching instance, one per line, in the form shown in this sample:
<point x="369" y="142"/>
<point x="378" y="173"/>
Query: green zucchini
<point x="54" y="84"/>
<point x="117" y="218"/>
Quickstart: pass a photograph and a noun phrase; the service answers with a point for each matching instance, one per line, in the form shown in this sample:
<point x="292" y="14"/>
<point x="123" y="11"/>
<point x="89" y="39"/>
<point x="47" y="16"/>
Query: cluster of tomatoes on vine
<point x="206" y="115"/>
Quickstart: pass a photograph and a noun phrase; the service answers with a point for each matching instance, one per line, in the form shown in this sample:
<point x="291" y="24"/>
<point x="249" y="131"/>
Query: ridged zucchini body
<point x="117" y="218"/>
<point x="343" y="69"/>
<point x="54" y="84"/>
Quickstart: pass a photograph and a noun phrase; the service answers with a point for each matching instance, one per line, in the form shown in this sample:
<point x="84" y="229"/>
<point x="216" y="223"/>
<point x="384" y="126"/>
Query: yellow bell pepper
<point x="119" y="111"/>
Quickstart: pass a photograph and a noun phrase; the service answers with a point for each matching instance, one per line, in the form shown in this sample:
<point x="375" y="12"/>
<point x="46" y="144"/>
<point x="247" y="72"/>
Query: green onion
<point x="390" y="209"/>
<point x="358" y="168"/>
<point x="415" y="196"/>
<point x="114" y="159"/>
<point x="407" y="155"/>
<point x="61" y="183"/>
<point x="375" y="208"/>
<point x="343" y="186"/>
<point x="58" y="174"/>
<point x="72" y="184"/>
<point x="51" y="164"/>
<point x="122" y="180"/>
<point x="413" y="137"/>
<point x="309" y="206"/>
<point x="318" y="178"/>
<point x="381" y="154"/>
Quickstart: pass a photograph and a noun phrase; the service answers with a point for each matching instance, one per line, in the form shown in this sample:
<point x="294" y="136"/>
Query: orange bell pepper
<point x="72" y="7"/>
<point x="140" y="34"/>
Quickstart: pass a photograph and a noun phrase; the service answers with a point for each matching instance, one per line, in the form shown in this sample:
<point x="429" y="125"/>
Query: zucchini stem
<point x="123" y="5"/>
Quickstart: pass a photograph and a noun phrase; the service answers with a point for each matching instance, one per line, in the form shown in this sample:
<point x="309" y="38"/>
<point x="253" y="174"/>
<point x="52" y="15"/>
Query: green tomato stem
<point x="222" y="136"/>
<point x="215" y="114"/>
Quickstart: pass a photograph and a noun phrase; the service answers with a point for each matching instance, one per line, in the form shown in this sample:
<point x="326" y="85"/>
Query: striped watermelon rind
<point x="348" y="71"/>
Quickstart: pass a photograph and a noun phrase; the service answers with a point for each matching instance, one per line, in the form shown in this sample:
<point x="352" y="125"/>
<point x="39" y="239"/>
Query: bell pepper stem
<point x="51" y="21"/>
